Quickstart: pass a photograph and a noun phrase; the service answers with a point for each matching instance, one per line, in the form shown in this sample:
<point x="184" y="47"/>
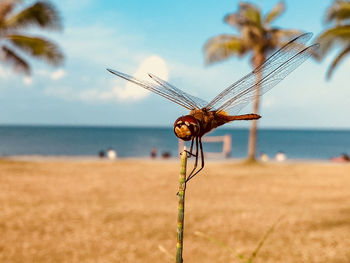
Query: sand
<point x="125" y="211"/>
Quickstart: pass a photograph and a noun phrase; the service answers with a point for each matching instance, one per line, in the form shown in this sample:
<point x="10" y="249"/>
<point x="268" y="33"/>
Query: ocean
<point x="138" y="142"/>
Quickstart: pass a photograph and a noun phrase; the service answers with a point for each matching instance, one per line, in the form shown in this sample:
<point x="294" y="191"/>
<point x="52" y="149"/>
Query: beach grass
<point x="122" y="211"/>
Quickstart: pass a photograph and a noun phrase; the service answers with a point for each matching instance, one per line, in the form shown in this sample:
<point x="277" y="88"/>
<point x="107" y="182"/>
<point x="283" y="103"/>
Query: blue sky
<point x="166" y="38"/>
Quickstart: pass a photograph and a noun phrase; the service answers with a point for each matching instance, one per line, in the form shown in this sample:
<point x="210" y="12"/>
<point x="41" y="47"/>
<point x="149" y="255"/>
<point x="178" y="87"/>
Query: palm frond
<point x="6" y="6"/>
<point x="38" y="47"/>
<point x="223" y="46"/>
<point x="275" y="12"/>
<point x="42" y="14"/>
<point x="334" y="36"/>
<point x="336" y="61"/>
<point x="251" y="12"/>
<point x="236" y="20"/>
<point x="278" y="37"/>
<point x="10" y="57"/>
<point x="247" y="15"/>
<point x="286" y="33"/>
<point x="339" y="11"/>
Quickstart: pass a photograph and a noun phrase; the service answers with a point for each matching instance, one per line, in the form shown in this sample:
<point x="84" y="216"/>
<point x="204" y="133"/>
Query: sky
<point x="165" y="38"/>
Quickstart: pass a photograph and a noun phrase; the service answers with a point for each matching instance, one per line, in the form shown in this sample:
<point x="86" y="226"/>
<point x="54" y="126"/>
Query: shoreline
<point x="92" y="158"/>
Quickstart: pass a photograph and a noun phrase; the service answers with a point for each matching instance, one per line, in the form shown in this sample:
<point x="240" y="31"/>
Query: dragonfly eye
<point x="186" y="127"/>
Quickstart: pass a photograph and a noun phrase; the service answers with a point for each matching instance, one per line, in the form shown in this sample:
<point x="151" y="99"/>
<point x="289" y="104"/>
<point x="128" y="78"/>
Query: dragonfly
<point x="206" y="116"/>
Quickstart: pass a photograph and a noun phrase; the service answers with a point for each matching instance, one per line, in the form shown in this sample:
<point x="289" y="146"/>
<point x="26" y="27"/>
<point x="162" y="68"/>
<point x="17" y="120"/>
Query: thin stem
<point x="262" y="241"/>
<point x="181" y="207"/>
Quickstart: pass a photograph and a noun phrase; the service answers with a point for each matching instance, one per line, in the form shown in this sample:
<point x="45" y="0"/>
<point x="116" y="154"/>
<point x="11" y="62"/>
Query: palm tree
<point x="256" y="38"/>
<point x="338" y="35"/>
<point x="15" y="45"/>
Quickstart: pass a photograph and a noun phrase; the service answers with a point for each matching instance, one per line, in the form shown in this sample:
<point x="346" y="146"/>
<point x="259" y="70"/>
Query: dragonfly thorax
<point x="186" y="127"/>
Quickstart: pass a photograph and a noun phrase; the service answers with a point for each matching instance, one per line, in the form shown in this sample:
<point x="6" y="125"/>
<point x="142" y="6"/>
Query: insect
<point x="204" y="116"/>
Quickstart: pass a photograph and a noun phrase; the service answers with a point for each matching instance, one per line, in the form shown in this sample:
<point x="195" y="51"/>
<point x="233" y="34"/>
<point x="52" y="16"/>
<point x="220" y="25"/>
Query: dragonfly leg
<point x="196" y="160"/>
<point x="192" y="174"/>
<point x="189" y="153"/>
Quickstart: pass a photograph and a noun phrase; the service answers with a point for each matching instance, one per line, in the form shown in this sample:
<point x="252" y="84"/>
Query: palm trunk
<point x="253" y="136"/>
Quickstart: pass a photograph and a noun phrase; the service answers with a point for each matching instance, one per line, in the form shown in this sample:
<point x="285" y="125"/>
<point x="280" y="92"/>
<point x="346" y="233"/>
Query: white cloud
<point x="61" y="92"/>
<point x="155" y="65"/>
<point x="41" y="72"/>
<point x="57" y="74"/>
<point x="121" y="89"/>
<point x="27" y="80"/>
<point x="54" y="75"/>
<point x="4" y="73"/>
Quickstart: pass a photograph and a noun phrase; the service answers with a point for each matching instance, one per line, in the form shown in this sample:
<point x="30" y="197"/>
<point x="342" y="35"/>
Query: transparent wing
<point x="197" y="102"/>
<point x="167" y="91"/>
<point x="265" y="76"/>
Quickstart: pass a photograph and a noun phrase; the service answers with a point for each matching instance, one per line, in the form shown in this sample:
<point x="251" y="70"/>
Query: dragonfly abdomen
<point x="245" y="117"/>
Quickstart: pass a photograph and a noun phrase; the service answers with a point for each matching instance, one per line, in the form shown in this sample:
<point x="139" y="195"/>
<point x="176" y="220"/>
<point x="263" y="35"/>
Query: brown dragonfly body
<point x="204" y="116"/>
<point x="200" y="122"/>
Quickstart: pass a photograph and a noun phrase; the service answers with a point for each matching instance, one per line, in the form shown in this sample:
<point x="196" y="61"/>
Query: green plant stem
<point x="262" y="241"/>
<point x="181" y="207"/>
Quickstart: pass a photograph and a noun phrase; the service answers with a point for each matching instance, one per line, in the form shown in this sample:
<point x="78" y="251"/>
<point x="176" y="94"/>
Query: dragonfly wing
<point x="196" y="102"/>
<point x="271" y="72"/>
<point x="172" y="94"/>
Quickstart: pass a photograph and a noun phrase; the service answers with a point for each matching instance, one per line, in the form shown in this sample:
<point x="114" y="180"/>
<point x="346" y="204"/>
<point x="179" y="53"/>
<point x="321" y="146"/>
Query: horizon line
<point x="49" y="125"/>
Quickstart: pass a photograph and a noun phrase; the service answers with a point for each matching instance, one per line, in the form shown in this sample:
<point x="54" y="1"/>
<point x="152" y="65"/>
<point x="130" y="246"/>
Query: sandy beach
<point x="125" y="211"/>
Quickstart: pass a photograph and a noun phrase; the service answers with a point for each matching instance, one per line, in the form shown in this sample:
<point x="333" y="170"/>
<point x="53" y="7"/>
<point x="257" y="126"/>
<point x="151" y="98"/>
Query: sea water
<point x="139" y="141"/>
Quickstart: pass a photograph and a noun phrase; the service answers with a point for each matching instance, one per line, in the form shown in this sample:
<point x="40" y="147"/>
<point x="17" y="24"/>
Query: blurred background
<point x="63" y="118"/>
<point x="63" y="82"/>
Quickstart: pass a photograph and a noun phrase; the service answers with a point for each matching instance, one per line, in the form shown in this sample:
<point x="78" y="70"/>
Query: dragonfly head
<point x="186" y="127"/>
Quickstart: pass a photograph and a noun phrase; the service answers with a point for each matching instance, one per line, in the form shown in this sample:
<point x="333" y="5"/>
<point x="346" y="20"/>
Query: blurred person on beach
<point x="341" y="159"/>
<point x="166" y="155"/>
<point x="101" y="154"/>
<point x="111" y="154"/>
<point x="154" y="152"/>
<point x="264" y="157"/>
<point x="280" y="156"/>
